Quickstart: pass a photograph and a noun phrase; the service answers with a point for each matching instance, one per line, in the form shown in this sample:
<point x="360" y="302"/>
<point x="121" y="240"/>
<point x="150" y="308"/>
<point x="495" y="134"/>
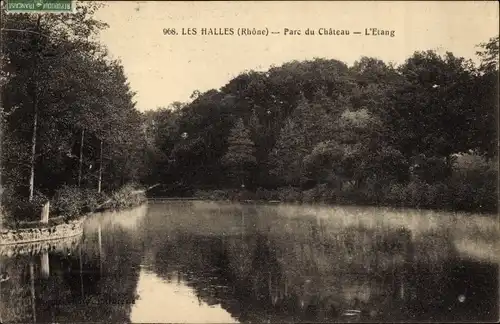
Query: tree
<point x="239" y="158"/>
<point x="325" y="164"/>
<point x="430" y="112"/>
<point x="285" y="160"/>
<point x="37" y="50"/>
<point x="308" y="125"/>
<point x="489" y="54"/>
<point x="320" y="122"/>
<point x="375" y="81"/>
<point x="74" y="106"/>
<point x="115" y="124"/>
<point x="485" y="100"/>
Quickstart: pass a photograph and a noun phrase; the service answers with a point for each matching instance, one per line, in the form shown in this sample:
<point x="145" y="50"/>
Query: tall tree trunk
<point x="449" y="165"/>
<point x="1" y="188"/>
<point x="81" y="159"/>
<point x="35" y="113"/>
<point x="33" y="150"/>
<point x="1" y="302"/>
<point x="100" y="170"/>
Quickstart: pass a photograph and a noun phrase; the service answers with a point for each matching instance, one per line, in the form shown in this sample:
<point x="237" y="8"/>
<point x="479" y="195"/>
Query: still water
<point x="196" y="262"/>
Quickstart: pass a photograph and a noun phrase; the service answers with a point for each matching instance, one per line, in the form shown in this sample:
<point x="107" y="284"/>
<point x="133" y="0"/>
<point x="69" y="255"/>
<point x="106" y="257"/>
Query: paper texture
<point x="246" y="161"/>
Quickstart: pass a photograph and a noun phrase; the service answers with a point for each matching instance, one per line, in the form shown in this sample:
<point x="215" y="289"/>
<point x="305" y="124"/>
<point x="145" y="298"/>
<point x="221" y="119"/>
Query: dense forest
<point x="421" y="134"/>
<point x="69" y="123"/>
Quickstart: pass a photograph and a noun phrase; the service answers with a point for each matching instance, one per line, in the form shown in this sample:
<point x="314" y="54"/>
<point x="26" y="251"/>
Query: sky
<point x="167" y="68"/>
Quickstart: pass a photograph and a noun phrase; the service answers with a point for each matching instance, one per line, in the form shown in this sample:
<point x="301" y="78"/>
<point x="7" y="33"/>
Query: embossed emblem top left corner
<point x="40" y="6"/>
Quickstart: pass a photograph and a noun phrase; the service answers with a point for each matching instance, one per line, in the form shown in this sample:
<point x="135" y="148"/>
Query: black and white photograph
<point x="249" y="161"/>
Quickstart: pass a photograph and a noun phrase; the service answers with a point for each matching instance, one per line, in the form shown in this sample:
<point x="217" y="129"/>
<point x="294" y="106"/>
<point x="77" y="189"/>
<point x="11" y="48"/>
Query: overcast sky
<point x="163" y="69"/>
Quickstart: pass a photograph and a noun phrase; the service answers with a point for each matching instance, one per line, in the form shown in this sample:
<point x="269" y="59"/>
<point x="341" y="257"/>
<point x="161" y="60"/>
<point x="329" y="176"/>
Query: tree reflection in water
<point x="256" y="264"/>
<point x="309" y="273"/>
<point x="85" y="280"/>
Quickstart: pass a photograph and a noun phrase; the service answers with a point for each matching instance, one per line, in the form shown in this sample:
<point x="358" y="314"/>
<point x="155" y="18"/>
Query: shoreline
<point x="34" y="248"/>
<point x="43" y="233"/>
<point x="485" y="213"/>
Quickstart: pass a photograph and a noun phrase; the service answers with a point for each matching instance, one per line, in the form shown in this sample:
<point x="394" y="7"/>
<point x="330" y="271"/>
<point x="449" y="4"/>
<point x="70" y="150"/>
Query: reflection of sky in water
<point x="280" y="269"/>
<point x="160" y="301"/>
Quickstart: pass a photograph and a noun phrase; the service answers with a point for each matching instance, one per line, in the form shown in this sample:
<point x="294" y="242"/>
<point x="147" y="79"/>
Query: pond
<point x="194" y="262"/>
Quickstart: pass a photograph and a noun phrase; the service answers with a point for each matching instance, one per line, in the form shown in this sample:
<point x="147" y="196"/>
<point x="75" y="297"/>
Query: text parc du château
<point x="338" y="32"/>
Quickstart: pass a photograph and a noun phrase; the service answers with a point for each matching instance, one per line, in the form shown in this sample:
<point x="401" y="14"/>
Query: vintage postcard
<point x="249" y="161"/>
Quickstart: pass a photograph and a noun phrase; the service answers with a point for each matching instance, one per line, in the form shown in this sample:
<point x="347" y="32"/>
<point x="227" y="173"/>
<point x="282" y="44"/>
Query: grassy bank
<point x="470" y="185"/>
<point x="66" y="204"/>
<point x="456" y="196"/>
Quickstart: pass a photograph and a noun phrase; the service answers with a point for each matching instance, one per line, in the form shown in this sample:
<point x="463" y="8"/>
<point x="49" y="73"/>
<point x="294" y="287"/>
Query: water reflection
<point x="74" y="281"/>
<point x="172" y="301"/>
<point x="193" y="262"/>
<point x="31" y="280"/>
<point x="261" y="267"/>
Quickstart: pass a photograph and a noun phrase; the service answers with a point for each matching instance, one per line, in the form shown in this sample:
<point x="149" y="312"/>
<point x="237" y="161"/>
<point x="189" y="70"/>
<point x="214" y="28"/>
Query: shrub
<point x="436" y="196"/>
<point x="90" y="200"/>
<point x="18" y="209"/>
<point x="233" y="194"/>
<point x="310" y="196"/>
<point x="414" y="193"/>
<point x="68" y="201"/>
<point x="474" y="190"/>
<point x="246" y="195"/>
<point x="125" y="197"/>
<point x="320" y="193"/>
<point x="265" y="194"/>
<point x="219" y="195"/>
<point x="289" y="194"/>
<point x="396" y="194"/>
<point x="71" y="201"/>
<point x="3" y="215"/>
<point x="212" y="195"/>
<point x="202" y="194"/>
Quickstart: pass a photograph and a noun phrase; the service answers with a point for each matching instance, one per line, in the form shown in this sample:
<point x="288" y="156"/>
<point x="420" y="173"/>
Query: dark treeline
<point x="420" y="134"/>
<point x="69" y="123"/>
